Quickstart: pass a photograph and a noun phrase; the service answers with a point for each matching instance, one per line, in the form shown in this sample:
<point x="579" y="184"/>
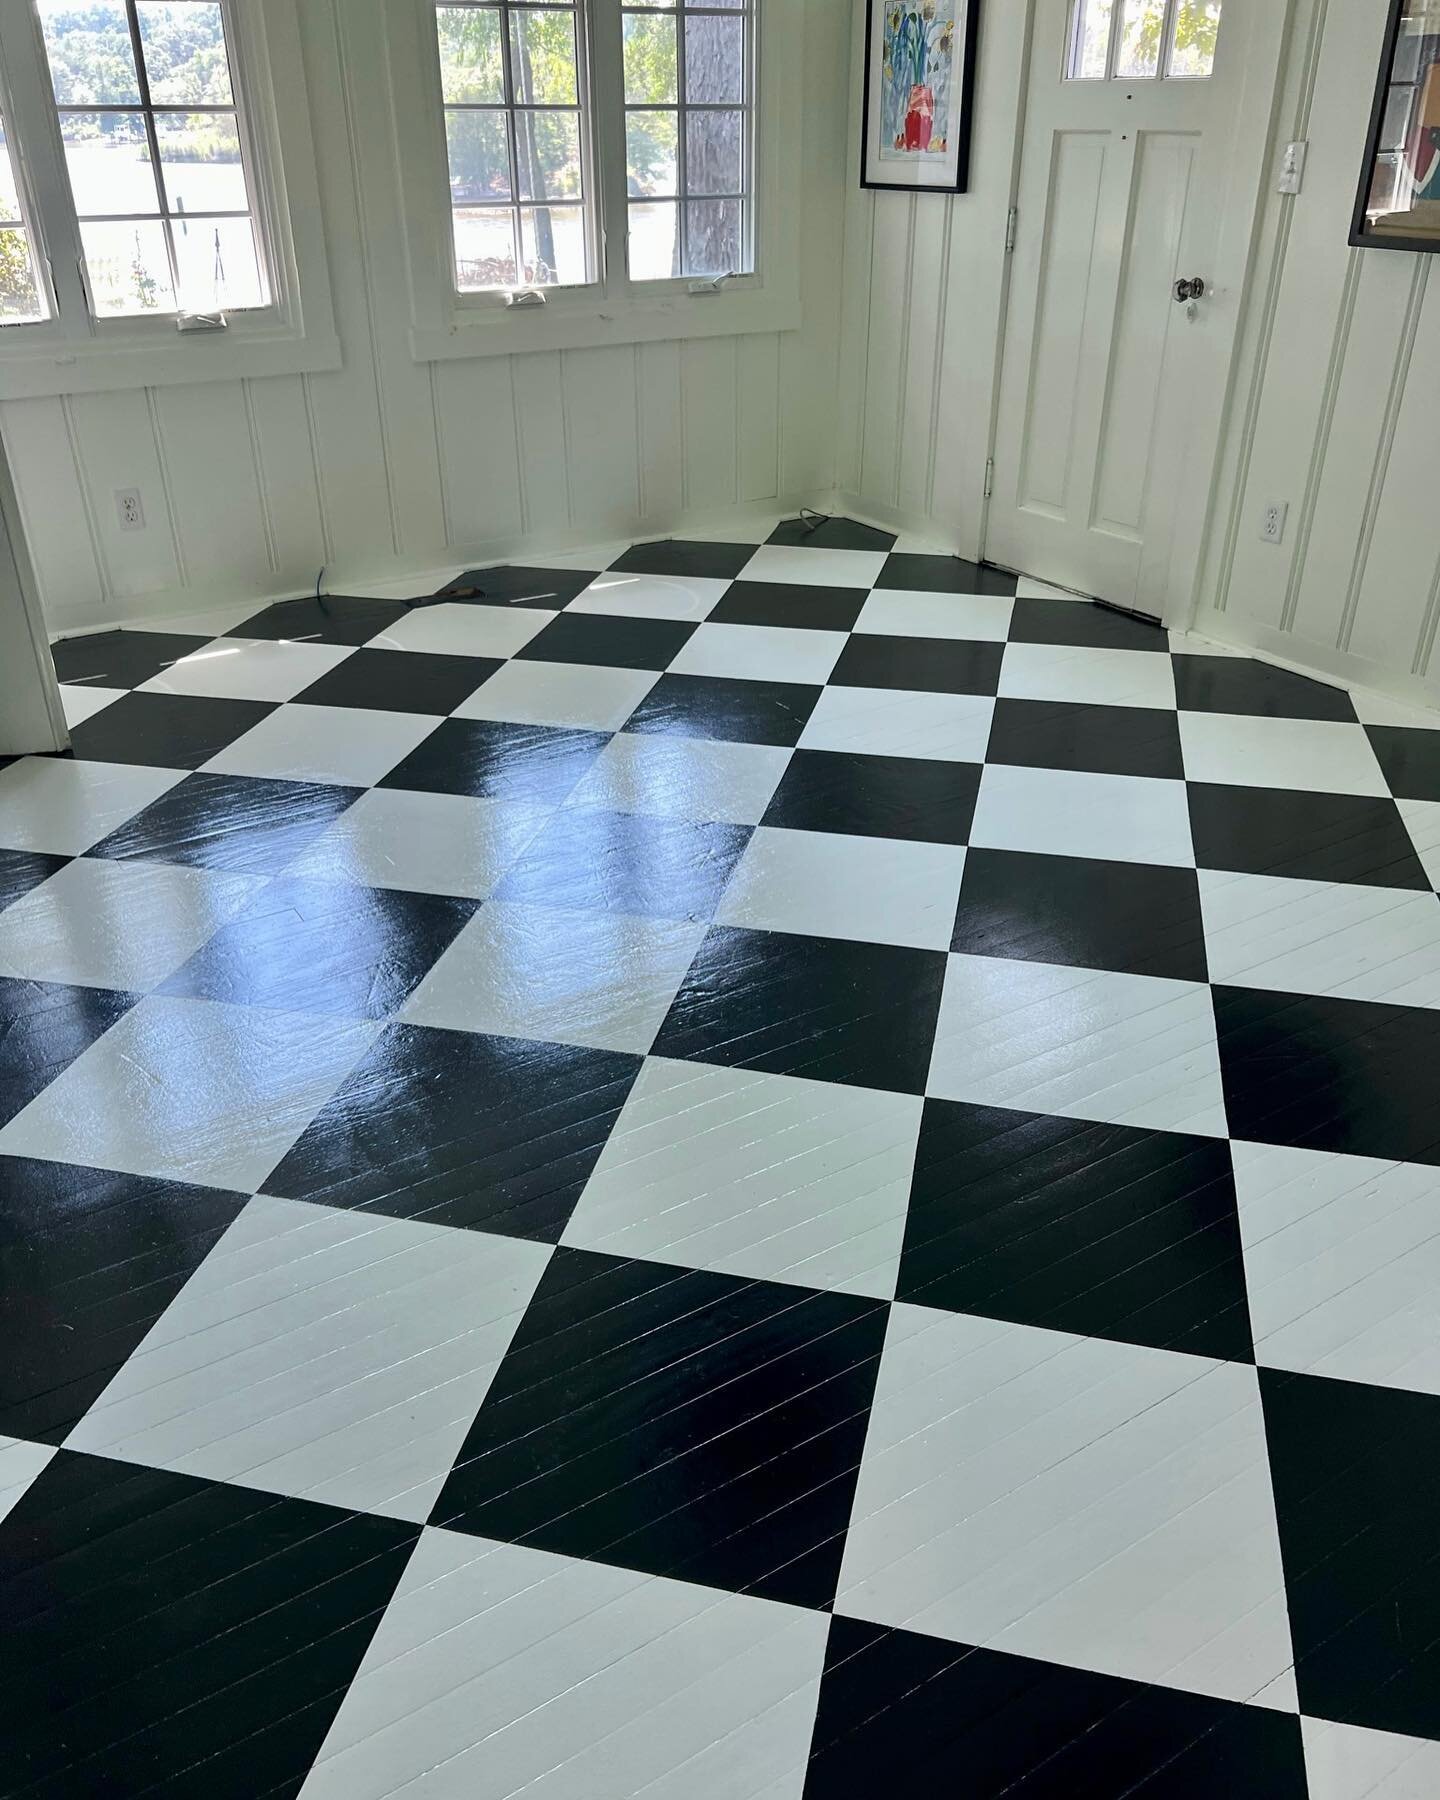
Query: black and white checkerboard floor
<point x="777" y="1171"/>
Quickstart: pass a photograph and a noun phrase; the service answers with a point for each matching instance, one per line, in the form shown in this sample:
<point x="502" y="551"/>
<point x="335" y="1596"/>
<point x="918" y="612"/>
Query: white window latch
<point x="712" y="284"/>
<point x="525" y="297"/>
<point x="201" y="321"/>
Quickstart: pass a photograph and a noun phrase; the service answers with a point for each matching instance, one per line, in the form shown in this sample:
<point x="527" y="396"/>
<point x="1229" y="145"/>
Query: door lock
<point x="1189" y="288"/>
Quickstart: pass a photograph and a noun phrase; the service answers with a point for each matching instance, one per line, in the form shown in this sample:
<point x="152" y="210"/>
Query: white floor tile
<point x="64" y="806"/>
<point x="599" y="979"/>
<point x="248" y="669"/>
<point x="1349" y="1762"/>
<point x="209" y="621"/>
<point x="193" y="1090"/>
<point x="1080" y="1501"/>
<point x="815" y="568"/>
<point x="583" y="695"/>
<point x="1087" y="676"/>
<point x="620" y="595"/>
<point x="1342" y="1263"/>
<point x="454" y="628"/>
<point x="82" y="702"/>
<point x="895" y="722"/>
<point x="329" y="1355"/>
<point x="1079" y="1043"/>
<point x="1321" y="937"/>
<point x="1422" y="821"/>
<point x="1065" y="812"/>
<point x="1318" y="755"/>
<point x="683" y="778"/>
<point x="1378" y="709"/>
<point x="124" y="925"/>
<point x="428" y="843"/>
<point x="823" y="884"/>
<point x="20" y="1463"/>
<point x="978" y="618"/>
<point x="499" y="1670"/>
<point x="324" y="743"/>
<point x="761" y="653"/>
<point x="763" y="1176"/>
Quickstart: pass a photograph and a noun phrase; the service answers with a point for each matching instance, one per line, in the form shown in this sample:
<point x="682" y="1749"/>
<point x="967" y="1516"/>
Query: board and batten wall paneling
<point x="387" y="466"/>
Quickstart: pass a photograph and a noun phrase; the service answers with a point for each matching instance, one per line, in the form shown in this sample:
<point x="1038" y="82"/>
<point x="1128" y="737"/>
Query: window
<point x="152" y="143"/>
<point x="1140" y="40"/>
<point x="21" y="297"/>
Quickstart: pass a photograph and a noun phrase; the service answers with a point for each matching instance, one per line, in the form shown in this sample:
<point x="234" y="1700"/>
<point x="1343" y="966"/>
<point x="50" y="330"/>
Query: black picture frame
<point x="969" y="56"/>
<point x="1363" y="235"/>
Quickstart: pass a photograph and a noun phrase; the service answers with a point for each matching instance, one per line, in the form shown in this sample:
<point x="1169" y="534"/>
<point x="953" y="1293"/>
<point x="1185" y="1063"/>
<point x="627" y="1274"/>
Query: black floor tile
<point x="684" y="556"/>
<point x="915" y="1718"/>
<point x="168" y="1636"/>
<point x="21" y="870"/>
<point x="685" y="1423"/>
<point x="1100" y="1230"/>
<point x="705" y="706"/>
<point x="1079" y="623"/>
<point x="333" y="619"/>
<point x="1099" y="740"/>
<point x="931" y="665"/>
<point x="232" y="822"/>
<point x="614" y="643"/>
<point x="88" y="1262"/>
<point x="793" y="604"/>
<point x="943" y="575"/>
<point x="824" y="1008"/>
<point x="516" y="584"/>
<point x="44" y="1026"/>
<point x="391" y="681"/>
<point x="453" y="1128"/>
<point x="1237" y="684"/>
<point x="1348" y="1075"/>
<point x="1356" y="1471"/>
<point x="165" y="731"/>
<point x="832" y="534"/>
<point x="1310" y="837"/>
<point x="1136" y="918"/>
<point x="121" y="659"/>
<point x="1410" y="760"/>
<point x="324" y="947"/>
<point x="620" y="862"/>
<point x="877" y="796"/>
<point x="495" y="761"/>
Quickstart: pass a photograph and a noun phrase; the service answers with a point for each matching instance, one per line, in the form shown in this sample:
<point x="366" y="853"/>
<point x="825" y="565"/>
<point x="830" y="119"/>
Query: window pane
<point x="712" y="233"/>
<point x="650" y="67"/>
<point x="472" y="68"/>
<point x="1197" y="27"/>
<point x="9" y="192"/>
<point x="1140" y="29"/>
<point x="1092" y="40"/>
<point x="20" y="301"/>
<point x="714" y="59"/>
<point x="714" y="146"/>
<point x="91" y="60"/>
<point x="183" y="42"/>
<point x="200" y="162"/>
<point x="484" y="248"/>
<point x="128" y="268"/>
<point x="552" y="240"/>
<point x="479" y="156"/>
<point x="542" y="58"/>
<point x="108" y="156"/>
<point x="547" y="154"/>
<point x="218" y="265"/>
<point x="654" y="231"/>
<point x="650" y="153"/>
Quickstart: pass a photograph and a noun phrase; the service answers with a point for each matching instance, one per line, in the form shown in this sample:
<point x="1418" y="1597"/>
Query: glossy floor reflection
<point x="782" y="1169"/>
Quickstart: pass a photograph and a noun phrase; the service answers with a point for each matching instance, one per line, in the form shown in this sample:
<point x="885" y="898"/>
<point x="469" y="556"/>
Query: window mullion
<point x="682" y="174"/>
<point x="607" y="114"/>
<point x="152" y="138"/>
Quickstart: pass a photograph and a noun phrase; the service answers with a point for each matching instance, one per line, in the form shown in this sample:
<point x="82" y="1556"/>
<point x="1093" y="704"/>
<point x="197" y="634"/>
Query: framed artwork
<point x="919" y="94"/>
<point x="1398" y="206"/>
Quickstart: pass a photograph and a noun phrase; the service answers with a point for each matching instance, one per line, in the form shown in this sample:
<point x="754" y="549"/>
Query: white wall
<point x="389" y="465"/>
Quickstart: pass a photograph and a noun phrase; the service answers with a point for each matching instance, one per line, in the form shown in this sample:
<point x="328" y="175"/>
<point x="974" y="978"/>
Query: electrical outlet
<point x="1272" y="521"/>
<point x="129" y="509"/>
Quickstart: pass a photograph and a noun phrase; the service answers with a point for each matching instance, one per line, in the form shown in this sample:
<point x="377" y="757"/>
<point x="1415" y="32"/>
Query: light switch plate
<point x="1292" y="167"/>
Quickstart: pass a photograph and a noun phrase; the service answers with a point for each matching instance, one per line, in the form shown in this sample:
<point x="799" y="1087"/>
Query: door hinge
<point x="1012" y="221"/>
<point x="989" y="476"/>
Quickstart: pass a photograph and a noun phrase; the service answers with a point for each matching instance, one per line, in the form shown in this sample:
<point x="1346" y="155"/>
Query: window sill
<point x="98" y="365"/>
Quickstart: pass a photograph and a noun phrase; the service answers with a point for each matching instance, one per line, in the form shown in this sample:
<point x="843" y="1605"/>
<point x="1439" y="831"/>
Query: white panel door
<point x="1134" y="176"/>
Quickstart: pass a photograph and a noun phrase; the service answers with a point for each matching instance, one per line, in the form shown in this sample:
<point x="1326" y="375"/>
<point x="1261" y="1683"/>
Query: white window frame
<point x="612" y="309"/>
<point x="75" y="352"/>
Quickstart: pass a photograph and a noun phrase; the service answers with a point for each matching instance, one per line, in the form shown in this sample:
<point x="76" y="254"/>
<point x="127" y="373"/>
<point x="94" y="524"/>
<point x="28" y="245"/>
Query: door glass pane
<point x="714" y="59"/>
<point x="217" y="264"/>
<point x="654" y="234"/>
<point x="200" y="162"/>
<point x="650" y="153"/>
<point x="714" y="144"/>
<point x="128" y="268"/>
<point x="650" y="77"/>
<point x="183" y="42"/>
<point x="552" y="243"/>
<point x="547" y="155"/>
<point x="1197" y="27"/>
<point x="542" y="58"/>
<point x="484" y="248"/>
<point x="108" y="157"/>
<point x="472" y="66"/>
<point x="92" y="62"/>
<point x="479" y="156"/>
<point x="1141" y="26"/>
<point x="1091" y="53"/>
<point x="712" y="232"/>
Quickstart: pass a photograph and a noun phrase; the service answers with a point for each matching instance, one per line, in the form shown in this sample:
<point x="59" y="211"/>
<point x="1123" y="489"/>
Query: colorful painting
<point x="1399" y="199"/>
<point x="920" y="61"/>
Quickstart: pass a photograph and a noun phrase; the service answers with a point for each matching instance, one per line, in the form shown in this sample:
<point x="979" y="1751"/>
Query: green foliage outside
<point x="18" y="298"/>
<point x="1197" y="28"/>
